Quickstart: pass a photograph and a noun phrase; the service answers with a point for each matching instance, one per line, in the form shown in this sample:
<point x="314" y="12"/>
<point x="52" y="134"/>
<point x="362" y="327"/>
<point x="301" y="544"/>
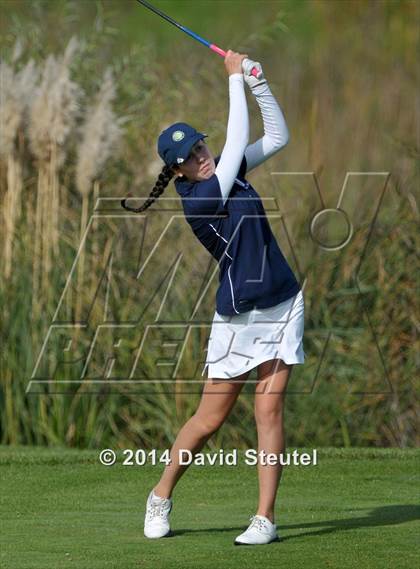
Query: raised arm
<point x="276" y="134"/>
<point x="237" y="135"/>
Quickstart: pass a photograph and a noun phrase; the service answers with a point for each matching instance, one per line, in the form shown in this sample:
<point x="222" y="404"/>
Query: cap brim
<point x="184" y="151"/>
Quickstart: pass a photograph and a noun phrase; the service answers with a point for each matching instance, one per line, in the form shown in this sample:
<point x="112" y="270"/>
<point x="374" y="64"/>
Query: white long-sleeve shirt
<point x="276" y="134"/>
<point x="237" y="135"/>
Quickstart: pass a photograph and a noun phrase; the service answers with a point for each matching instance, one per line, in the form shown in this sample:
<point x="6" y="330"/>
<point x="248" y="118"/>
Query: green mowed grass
<point x="63" y="509"/>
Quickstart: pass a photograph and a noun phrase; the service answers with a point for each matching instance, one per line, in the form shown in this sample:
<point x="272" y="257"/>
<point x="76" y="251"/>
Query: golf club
<point x="255" y="72"/>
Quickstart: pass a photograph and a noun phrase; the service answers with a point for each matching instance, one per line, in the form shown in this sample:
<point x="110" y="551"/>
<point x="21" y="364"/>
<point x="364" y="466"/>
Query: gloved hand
<point x="247" y="66"/>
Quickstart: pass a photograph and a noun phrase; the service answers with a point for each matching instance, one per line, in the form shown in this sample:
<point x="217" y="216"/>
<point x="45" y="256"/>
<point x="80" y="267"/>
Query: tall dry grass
<point x="100" y="135"/>
<point x="53" y="114"/>
<point x="15" y="99"/>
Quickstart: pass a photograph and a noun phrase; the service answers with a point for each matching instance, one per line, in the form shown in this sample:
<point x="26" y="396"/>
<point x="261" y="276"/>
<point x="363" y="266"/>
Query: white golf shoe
<point x="259" y="531"/>
<point x="156" y="521"/>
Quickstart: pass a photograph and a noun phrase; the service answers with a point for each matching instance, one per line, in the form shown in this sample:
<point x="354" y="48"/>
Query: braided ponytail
<point x="163" y="180"/>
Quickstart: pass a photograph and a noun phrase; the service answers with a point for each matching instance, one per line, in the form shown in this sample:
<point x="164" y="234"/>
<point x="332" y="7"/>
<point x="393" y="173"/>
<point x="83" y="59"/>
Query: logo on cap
<point x="178" y="135"/>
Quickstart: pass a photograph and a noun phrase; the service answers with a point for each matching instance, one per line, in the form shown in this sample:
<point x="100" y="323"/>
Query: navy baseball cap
<point x="175" y="142"/>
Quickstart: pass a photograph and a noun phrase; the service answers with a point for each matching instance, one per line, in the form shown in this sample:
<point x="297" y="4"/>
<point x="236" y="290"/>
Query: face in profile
<point x="199" y="165"/>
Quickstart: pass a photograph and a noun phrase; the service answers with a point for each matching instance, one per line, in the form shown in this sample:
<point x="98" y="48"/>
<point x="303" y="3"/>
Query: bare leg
<point x="270" y="394"/>
<point x="217" y="400"/>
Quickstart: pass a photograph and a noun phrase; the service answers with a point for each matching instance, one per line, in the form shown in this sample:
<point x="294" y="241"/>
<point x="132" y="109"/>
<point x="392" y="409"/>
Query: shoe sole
<point x="161" y="536"/>
<point x="268" y="543"/>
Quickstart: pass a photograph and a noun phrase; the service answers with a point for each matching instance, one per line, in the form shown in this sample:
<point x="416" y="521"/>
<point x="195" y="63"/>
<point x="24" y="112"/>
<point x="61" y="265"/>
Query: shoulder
<point x="200" y="198"/>
<point x="186" y="188"/>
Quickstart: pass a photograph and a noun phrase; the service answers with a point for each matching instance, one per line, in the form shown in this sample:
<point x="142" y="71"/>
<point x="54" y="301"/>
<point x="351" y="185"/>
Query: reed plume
<point x="101" y="133"/>
<point x="16" y="88"/>
<point x="53" y="116"/>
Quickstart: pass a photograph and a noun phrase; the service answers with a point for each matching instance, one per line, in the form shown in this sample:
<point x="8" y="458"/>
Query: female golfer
<point x="260" y="308"/>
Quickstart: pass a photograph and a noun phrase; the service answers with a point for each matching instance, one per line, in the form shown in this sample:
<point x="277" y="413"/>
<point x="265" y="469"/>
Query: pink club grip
<point x="221" y="52"/>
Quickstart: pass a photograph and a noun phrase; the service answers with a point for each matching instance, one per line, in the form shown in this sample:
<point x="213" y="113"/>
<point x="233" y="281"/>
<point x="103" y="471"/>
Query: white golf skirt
<point x="241" y="342"/>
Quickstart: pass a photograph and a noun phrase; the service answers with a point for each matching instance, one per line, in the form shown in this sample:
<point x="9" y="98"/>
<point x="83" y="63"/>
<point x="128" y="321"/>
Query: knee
<point x="269" y="417"/>
<point x="208" y="423"/>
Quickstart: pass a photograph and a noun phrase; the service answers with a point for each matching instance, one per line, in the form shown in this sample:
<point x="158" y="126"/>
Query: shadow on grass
<point x="383" y="516"/>
<point x="386" y="515"/>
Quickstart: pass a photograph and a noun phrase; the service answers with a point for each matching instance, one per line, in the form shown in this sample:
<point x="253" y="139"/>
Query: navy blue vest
<point x="253" y="270"/>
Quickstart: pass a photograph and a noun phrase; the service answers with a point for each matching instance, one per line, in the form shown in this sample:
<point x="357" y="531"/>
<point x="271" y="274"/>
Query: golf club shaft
<point x="212" y="46"/>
